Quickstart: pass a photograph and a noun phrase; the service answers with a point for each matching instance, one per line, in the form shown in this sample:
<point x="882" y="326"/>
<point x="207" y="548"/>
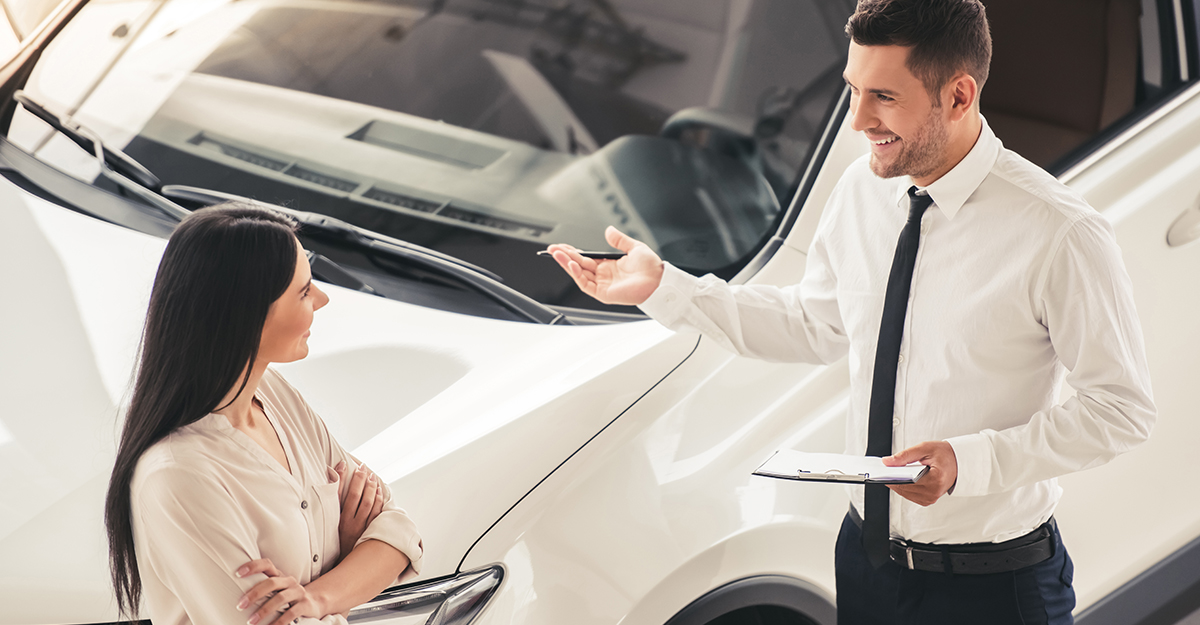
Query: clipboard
<point x="789" y="464"/>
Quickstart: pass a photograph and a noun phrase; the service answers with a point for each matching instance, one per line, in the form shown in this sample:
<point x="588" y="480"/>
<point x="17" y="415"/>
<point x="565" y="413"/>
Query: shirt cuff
<point x="395" y="528"/>
<point x="973" y="453"/>
<point x="669" y="301"/>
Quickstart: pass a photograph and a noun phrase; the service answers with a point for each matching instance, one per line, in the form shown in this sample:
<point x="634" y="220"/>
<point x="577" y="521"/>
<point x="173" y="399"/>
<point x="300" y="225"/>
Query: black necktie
<point x="875" y="534"/>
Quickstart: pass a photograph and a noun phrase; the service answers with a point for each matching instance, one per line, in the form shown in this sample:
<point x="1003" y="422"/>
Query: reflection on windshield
<point x="484" y="129"/>
<point x="443" y="66"/>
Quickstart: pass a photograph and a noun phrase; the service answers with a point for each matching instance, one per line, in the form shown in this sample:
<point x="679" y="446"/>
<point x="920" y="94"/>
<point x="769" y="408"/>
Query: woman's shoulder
<point x="179" y="461"/>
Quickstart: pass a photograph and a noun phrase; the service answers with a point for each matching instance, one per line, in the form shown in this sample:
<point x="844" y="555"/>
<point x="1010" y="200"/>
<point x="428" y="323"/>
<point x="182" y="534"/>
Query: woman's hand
<point x="362" y="501"/>
<point x="287" y="601"/>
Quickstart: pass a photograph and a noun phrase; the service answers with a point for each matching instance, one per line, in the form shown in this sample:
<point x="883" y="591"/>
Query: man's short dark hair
<point x="946" y="36"/>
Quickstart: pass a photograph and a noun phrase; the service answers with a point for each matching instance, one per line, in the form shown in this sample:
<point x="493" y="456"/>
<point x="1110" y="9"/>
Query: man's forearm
<point x="749" y="320"/>
<point x="365" y="572"/>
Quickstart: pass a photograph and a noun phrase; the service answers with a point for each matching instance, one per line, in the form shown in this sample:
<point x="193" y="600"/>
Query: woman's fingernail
<point x="253" y="620"/>
<point x="243" y="603"/>
<point x="371" y="477"/>
<point x="340" y="465"/>
<point x="242" y="571"/>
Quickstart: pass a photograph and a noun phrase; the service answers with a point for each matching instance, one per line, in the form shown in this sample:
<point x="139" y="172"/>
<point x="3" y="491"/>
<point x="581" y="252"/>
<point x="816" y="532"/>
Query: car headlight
<point x="454" y="601"/>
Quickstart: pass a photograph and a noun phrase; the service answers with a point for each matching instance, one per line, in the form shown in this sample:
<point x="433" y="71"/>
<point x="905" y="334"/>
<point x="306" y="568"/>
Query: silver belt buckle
<point x="908" y="552"/>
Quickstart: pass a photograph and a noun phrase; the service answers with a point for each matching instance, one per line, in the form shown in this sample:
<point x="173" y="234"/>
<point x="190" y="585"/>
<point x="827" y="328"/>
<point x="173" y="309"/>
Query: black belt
<point x="973" y="558"/>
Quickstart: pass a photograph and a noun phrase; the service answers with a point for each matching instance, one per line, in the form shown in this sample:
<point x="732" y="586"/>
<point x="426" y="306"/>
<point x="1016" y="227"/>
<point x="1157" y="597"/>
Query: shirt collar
<point x="953" y="189"/>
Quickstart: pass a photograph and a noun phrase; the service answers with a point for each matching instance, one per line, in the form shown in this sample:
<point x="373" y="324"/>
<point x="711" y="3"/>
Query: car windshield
<point x="483" y="129"/>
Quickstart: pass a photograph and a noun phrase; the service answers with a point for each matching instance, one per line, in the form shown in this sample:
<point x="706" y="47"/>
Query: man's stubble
<point x="921" y="155"/>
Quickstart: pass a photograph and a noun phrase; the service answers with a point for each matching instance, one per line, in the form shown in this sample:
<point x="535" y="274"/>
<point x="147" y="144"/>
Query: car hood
<point x="462" y="416"/>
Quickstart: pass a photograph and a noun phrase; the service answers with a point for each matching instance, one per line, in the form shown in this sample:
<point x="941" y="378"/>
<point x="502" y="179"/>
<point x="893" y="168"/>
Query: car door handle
<point x="1186" y="227"/>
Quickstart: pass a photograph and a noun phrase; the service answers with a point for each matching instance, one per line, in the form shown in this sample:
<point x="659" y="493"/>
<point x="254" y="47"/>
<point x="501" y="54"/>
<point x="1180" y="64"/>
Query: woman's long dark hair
<point x="222" y="269"/>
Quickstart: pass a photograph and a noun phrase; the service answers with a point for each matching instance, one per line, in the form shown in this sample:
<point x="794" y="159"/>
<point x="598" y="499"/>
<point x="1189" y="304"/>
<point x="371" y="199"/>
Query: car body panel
<point x="607" y="468"/>
<point x="436" y="403"/>
<point x="642" y="516"/>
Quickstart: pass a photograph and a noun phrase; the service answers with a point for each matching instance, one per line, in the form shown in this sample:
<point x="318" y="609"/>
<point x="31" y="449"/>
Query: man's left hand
<point x="943" y="471"/>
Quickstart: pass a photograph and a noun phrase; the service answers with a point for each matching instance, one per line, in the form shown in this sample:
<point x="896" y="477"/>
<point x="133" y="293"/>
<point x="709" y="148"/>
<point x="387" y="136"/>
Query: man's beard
<point x="920" y="155"/>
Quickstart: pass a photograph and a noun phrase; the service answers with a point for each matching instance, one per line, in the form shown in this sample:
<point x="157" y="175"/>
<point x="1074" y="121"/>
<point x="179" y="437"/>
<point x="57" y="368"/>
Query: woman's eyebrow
<point x="306" y="284"/>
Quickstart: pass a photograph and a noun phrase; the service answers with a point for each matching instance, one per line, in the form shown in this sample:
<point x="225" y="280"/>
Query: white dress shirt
<point x="208" y="499"/>
<point x="1017" y="282"/>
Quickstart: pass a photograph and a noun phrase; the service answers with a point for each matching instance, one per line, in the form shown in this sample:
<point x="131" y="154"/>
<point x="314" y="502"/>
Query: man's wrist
<point x="674" y="287"/>
<point x="972" y="457"/>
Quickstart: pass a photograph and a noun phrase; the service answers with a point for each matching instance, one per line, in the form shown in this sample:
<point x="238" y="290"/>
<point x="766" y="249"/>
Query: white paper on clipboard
<point x="790" y="464"/>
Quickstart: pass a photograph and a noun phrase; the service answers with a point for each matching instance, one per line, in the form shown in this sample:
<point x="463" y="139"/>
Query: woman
<point x="229" y="501"/>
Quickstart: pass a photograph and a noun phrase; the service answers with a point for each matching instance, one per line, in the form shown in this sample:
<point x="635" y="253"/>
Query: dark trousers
<point x="891" y="595"/>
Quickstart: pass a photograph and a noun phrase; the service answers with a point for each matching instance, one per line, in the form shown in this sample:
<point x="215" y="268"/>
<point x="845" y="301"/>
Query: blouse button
<point x="304" y="505"/>
<point x="314" y="557"/>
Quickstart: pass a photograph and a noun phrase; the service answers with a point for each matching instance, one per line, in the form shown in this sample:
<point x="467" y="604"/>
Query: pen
<point x="596" y="255"/>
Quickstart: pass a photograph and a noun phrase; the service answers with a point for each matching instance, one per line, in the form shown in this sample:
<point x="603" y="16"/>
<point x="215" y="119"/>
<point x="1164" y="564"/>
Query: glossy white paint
<point x="662" y="506"/>
<point x="484" y="429"/>
<point x="461" y="415"/>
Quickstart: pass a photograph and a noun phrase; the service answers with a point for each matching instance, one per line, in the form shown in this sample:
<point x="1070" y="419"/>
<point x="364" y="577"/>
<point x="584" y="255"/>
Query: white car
<point x="566" y="462"/>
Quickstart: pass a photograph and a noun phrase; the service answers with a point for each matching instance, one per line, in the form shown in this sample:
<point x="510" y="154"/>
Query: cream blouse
<point x="208" y="499"/>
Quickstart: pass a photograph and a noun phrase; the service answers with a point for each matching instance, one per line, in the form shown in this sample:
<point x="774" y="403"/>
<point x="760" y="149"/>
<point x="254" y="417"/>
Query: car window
<point x="484" y="129"/>
<point x="1066" y="76"/>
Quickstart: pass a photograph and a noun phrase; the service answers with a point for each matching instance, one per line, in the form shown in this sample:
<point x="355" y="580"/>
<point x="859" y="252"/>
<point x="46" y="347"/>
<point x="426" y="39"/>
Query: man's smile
<point x="885" y="144"/>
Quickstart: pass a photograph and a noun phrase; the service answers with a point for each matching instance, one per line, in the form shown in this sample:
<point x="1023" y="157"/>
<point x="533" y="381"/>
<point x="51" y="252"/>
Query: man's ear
<point x="960" y="94"/>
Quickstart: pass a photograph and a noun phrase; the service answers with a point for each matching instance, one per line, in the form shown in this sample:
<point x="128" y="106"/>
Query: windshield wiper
<point x="115" y="165"/>
<point x="131" y="176"/>
<point x="372" y="243"/>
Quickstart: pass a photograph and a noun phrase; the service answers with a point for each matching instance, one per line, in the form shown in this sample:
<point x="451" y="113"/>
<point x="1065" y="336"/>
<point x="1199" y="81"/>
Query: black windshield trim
<point x="81" y="197"/>
<point x="344" y="233"/>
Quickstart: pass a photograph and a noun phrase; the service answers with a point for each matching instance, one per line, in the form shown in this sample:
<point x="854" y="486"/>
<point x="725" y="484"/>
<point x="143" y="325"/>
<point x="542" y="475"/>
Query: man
<point x="958" y="335"/>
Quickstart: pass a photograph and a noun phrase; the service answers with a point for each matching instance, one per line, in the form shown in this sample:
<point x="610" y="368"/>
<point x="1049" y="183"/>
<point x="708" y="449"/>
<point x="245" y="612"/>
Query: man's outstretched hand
<point x="941" y="477"/>
<point x="627" y="281"/>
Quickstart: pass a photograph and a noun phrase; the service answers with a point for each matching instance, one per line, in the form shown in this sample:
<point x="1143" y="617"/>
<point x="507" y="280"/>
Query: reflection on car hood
<point x="460" y="415"/>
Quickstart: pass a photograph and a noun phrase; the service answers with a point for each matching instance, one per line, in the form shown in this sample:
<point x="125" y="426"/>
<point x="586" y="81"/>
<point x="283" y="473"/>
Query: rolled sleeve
<point x="394" y="527"/>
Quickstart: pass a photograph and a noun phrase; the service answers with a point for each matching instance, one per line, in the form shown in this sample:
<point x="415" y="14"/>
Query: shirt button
<point x="314" y="557"/>
<point x="901" y="358"/>
<point x="304" y="505"/>
<point x="896" y="422"/>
